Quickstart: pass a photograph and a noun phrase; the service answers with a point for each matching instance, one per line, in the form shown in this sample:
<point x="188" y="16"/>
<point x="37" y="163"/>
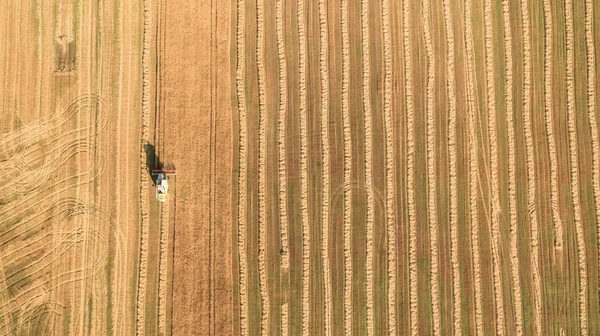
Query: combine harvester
<point x="162" y="183"/>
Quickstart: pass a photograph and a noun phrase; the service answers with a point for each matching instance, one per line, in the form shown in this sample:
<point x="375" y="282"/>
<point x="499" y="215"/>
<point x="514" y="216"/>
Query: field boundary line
<point x="512" y="194"/>
<point x="324" y="71"/>
<point x="473" y="169"/>
<point x="243" y="157"/>
<point x="574" y="158"/>
<point x="414" y="315"/>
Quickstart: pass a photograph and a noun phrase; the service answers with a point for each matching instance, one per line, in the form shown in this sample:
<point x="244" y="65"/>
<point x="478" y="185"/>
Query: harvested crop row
<point x="412" y="249"/>
<point x="574" y="157"/>
<point x="304" y="171"/>
<point x="495" y="201"/>
<point x="243" y="172"/>
<point x="512" y="195"/>
<point x="473" y="169"/>
<point x="431" y="175"/>
<point x="389" y="167"/>
<point x="163" y="269"/>
<point x="558" y="230"/>
<point x="450" y="88"/>
<point x="347" y="169"/>
<point x="143" y="269"/>
<point x="366" y="78"/>
<point x="531" y="184"/>
<point x="324" y="70"/>
<point x="262" y="152"/>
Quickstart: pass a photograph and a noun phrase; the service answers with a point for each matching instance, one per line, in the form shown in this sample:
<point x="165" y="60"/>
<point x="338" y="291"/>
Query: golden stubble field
<point x="399" y="167"/>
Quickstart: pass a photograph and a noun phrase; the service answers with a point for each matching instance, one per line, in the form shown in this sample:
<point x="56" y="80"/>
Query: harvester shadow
<point x="152" y="161"/>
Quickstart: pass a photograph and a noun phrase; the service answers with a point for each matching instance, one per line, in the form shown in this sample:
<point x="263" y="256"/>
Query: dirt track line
<point x="574" y="157"/>
<point x="324" y="71"/>
<point x="243" y="157"/>
<point x="304" y="172"/>
<point x="473" y="168"/>
<point x="283" y="216"/>
<point x="262" y="153"/>
<point x="366" y="79"/>
<point x="450" y="88"/>
<point x="431" y="174"/>
<point x="591" y="103"/>
<point x="412" y="244"/>
<point x="390" y="153"/>
<point x="347" y="168"/>
<point x="495" y="192"/>
<point x="531" y="185"/>
<point x="512" y="199"/>
<point x="558" y="229"/>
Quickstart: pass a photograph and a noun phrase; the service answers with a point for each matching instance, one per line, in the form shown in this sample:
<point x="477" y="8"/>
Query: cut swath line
<point x="163" y="269"/>
<point x="450" y="88"/>
<point x="531" y="186"/>
<point x="574" y="158"/>
<point x="431" y="175"/>
<point x="558" y="230"/>
<point x="243" y="158"/>
<point x="414" y="323"/>
<point x="389" y="168"/>
<point x="512" y="195"/>
<point x="473" y="169"/>
<point x="324" y="66"/>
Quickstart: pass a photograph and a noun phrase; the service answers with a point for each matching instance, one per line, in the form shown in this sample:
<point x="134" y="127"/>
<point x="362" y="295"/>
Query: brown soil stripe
<point x="243" y="172"/>
<point x="304" y="172"/>
<point x="573" y="151"/>
<point x="324" y="71"/>
<point x="390" y="153"/>
<point x="473" y="169"/>
<point x="414" y="323"/>
<point x="512" y="195"/>
<point x="451" y="84"/>
<point x="558" y="230"/>
<point x="347" y="168"/>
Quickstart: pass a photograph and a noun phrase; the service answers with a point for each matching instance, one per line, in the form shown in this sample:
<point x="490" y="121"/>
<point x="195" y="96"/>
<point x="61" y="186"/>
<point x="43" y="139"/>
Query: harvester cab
<point x="162" y="183"/>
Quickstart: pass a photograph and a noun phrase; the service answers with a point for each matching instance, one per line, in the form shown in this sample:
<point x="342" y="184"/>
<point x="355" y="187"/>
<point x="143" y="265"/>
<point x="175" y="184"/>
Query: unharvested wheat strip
<point x="412" y="243"/>
<point x="450" y="88"/>
<point x="531" y="188"/>
<point x="323" y="60"/>
<point x="262" y="152"/>
<point x="591" y="101"/>
<point x="495" y="201"/>
<point x="581" y="252"/>
<point x="431" y="175"/>
<point x="558" y="230"/>
<point x="243" y="157"/>
<point x="512" y="199"/>
<point x="304" y="172"/>
<point x="143" y="270"/>
<point x="366" y="78"/>
<point x="389" y="168"/>
<point x="473" y="169"/>
<point x="347" y="169"/>
<point x="283" y="218"/>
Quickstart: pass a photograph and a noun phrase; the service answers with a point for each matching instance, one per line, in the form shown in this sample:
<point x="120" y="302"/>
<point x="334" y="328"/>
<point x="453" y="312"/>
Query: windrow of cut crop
<point x="389" y="167"/>
<point x="410" y="153"/>
<point x="512" y="194"/>
<point x="304" y="171"/>
<point x="324" y="71"/>
<point x="262" y="152"/>
<point x="431" y="174"/>
<point x="473" y="168"/>
<point x="163" y="268"/>
<point x="243" y="162"/>
<point x="574" y="158"/>
<point x="450" y="88"/>
<point x="347" y="168"/>
<point x="558" y="229"/>
<point x="366" y="78"/>
<point x="531" y="183"/>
